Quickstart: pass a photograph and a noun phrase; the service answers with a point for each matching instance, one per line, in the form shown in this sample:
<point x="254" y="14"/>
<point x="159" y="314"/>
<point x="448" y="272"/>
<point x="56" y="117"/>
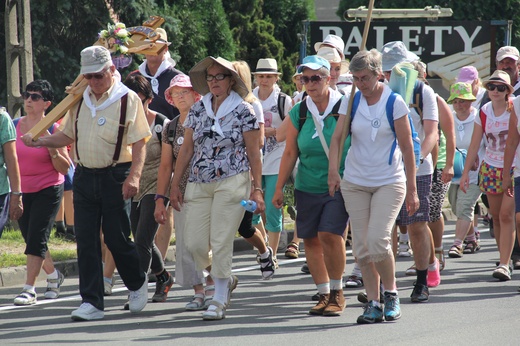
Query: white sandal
<point x="214" y="314"/>
<point x="208" y="298"/>
<point x="197" y="303"/>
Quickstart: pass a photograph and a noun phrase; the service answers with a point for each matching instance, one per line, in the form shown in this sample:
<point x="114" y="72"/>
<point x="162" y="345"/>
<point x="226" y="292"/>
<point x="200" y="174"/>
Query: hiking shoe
<point x="53" y="286"/>
<point x="162" y="289"/>
<point x="412" y="271"/>
<point x="305" y="268"/>
<point x="404" y="249"/>
<point x="354" y="281"/>
<point x="502" y="273"/>
<point x="25" y="297"/>
<point x="137" y="299"/>
<point x="267" y="265"/>
<point x="362" y="297"/>
<point x="392" y="306"/>
<point x="336" y="303"/>
<point x="316" y="297"/>
<point x="455" y="252"/>
<point x="87" y="312"/>
<point x="371" y="314"/>
<point x="434" y="276"/>
<point x="322" y="304"/>
<point x="420" y="293"/>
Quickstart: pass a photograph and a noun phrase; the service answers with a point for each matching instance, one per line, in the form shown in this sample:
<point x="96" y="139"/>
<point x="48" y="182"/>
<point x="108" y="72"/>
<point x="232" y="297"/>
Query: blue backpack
<point x="390" y="116"/>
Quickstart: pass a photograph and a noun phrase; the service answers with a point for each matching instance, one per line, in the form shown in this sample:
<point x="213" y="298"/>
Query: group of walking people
<point x="352" y="152"/>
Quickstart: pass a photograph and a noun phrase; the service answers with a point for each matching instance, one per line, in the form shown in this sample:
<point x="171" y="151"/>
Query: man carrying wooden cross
<point x="109" y="130"/>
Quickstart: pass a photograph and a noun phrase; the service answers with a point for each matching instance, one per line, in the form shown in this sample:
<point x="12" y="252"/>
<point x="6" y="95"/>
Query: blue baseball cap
<point x="314" y="62"/>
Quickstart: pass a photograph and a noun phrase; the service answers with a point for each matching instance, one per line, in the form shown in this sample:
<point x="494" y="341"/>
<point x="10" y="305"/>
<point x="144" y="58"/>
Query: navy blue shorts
<point x="319" y="212"/>
<point x="517" y="195"/>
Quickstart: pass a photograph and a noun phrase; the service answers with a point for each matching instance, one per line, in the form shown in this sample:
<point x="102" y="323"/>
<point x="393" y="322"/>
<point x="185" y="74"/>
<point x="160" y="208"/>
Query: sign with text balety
<point x="445" y="46"/>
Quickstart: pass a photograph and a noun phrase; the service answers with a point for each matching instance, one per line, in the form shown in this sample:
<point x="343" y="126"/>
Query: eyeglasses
<point x="315" y="79"/>
<point x="364" y="79"/>
<point x="35" y="97"/>
<point x="218" y="77"/>
<point x="177" y="95"/>
<point x="500" y="87"/>
<point x="99" y="75"/>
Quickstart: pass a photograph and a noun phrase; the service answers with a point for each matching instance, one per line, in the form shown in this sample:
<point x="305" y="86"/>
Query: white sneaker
<point x="137" y="299"/>
<point x="87" y="312"/>
<point x="404" y="249"/>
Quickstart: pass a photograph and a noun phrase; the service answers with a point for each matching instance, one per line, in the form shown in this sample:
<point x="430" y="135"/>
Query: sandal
<point x="208" y="297"/>
<point x="455" y="251"/>
<point x="471" y="247"/>
<point x="219" y="313"/>
<point x="354" y="281"/>
<point x="412" y="271"/>
<point x="292" y="250"/>
<point x="440" y="256"/>
<point x="197" y="303"/>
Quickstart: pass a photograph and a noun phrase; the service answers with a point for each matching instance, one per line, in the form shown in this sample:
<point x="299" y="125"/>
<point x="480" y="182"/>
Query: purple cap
<point x="467" y="74"/>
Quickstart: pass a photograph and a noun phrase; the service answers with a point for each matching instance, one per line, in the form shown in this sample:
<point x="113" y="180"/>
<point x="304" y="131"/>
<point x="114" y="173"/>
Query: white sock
<point x="323" y="288"/>
<point x="264" y="255"/>
<point x="29" y="288"/>
<point x="109" y="280"/>
<point x="221" y="290"/>
<point x="432" y="267"/>
<point x="53" y="275"/>
<point x="336" y="284"/>
<point x="404" y="237"/>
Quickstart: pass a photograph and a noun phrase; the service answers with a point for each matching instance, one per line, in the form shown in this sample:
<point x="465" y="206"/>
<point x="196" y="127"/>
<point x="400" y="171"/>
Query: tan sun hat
<point x="198" y="76"/>
<point x="500" y="77"/>
<point x="266" y="66"/>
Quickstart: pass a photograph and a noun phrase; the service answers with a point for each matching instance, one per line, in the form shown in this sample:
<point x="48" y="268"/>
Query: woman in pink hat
<point x="181" y="95"/>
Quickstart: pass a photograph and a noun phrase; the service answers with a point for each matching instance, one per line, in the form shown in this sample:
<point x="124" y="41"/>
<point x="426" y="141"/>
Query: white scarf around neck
<point x="155" y="83"/>
<point x="334" y="96"/>
<point x="118" y="90"/>
<point x="459" y="124"/>
<point x="229" y="104"/>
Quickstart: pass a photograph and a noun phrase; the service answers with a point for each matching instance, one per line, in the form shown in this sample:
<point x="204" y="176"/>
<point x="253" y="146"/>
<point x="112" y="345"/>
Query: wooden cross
<point x="144" y="40"/>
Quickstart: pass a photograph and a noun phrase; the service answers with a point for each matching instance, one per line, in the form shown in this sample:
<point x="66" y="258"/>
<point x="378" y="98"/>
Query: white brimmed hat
<point x="330" y="54"/>
<point x="508" y="52"/>
<point x="198" y="76"/>
<point x="266" y="66"/>
<point x="500" y="77"/>
<point x="95" y="59"/>
<point x="333" y="41"/>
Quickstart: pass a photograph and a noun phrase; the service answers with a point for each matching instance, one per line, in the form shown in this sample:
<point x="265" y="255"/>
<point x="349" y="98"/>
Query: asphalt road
<point x="469" y="307"/>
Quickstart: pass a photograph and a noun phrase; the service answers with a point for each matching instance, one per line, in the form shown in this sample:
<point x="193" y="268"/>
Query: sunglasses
<point x="218" y="77"/>
<point x="99" y="75"/>
<point x="35" y="97"/>
<point x="500" y="87"/>
<point x="315" y="79"/>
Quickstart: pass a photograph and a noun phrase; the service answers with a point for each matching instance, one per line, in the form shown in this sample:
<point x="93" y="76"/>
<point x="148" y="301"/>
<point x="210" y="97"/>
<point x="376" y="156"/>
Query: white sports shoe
<point x="87" y="312"/>
<point x="404" y="249"/>
<point x="137" y="299"/>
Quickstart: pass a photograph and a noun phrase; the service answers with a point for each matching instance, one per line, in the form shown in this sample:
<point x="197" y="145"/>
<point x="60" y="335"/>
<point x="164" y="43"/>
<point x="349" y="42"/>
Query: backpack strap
<point x="355" y="105"/>
<point x="121" y="131"/>
<point x="483" y="119"/>
<point x="303" y="111"/>
<point x="390" y="117"/>
<point x="172" y="130"/>
<point x="158" y="125"/>
<point x="281" y="105"/>
<point x="76" y="130"/>
<point x="417" y="98"/>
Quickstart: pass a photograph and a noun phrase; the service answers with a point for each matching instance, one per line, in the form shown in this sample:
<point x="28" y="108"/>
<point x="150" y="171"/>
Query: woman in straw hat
<point x="463" y="204"/>
<point x="220" y="147"/>
<point x="493" y="123"/>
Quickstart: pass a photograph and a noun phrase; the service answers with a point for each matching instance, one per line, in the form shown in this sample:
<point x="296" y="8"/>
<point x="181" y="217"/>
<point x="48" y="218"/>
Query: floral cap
<point x="462" y="91"/>
<point x="181" y="80"/>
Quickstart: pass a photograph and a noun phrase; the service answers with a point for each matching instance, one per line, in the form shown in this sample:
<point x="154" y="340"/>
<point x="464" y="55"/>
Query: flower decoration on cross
<point x="116" y="38"/>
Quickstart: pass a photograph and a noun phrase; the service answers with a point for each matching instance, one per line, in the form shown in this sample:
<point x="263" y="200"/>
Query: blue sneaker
<point x="372" y="314"/>
<point x="392" y="308"/>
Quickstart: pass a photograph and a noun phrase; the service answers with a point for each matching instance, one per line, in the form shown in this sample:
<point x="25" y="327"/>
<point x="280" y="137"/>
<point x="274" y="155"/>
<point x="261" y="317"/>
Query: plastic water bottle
<point x="248" y="205"/>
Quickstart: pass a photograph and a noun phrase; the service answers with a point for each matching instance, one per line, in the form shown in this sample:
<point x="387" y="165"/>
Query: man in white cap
<point x="507" y="60"/>
<point x="109" y="160"/>
<point x="426" y="125"/>
<point x="159" y="70"/>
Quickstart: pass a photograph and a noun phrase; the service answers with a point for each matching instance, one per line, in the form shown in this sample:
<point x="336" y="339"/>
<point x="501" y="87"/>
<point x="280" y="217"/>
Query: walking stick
<point x="346" y="128"/>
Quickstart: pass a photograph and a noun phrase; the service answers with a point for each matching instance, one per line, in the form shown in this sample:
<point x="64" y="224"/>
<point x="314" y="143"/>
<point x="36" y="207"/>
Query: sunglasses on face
<point x="218" y="77"/>
<point x="500" y="87"/>
<point x="99" y="75"/>
<point x="35" y="97"/>
<point x="315" y="79"/>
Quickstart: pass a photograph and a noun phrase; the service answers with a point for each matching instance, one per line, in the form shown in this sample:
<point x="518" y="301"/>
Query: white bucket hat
<point x="330" y="54"/>
<point x="394" y="53"/>
<point x="332" y="41"/>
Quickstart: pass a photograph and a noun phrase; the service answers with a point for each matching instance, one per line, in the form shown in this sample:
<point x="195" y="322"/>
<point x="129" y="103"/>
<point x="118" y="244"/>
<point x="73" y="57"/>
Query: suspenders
<point x="120" y="132"/>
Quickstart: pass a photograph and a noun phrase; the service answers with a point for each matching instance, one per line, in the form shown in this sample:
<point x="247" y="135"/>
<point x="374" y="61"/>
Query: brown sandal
<point x="292" y="251"/>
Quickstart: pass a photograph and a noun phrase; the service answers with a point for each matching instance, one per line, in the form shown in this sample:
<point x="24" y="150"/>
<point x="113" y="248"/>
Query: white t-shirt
<point x="516" y="104"/>
<point x="259" y="111"/>
<point x="463" y="133"/>
<point x="366" y="163"/>
<point x="430" y="112"/>
<point x="496" y="128"/>
<point x="273" y="150"/>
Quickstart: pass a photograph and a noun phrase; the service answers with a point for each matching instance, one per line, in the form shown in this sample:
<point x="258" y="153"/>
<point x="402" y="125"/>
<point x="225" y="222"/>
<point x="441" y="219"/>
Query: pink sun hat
<point x="181" y="80"/>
